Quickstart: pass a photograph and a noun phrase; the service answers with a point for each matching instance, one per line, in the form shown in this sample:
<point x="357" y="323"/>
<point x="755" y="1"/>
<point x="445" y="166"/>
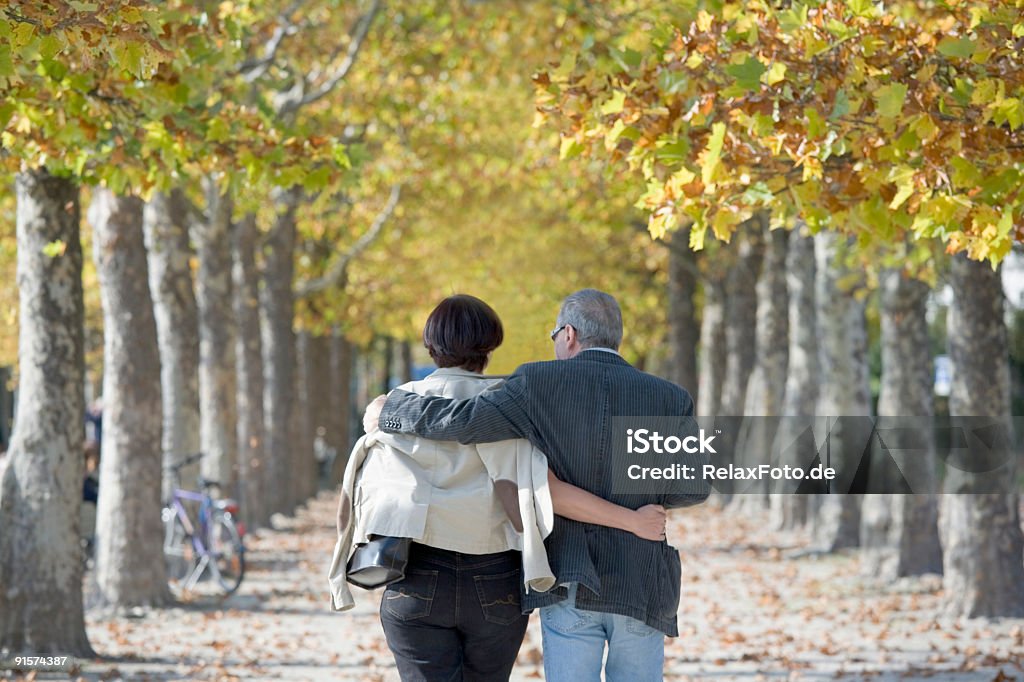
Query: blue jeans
<point x="574" y="642"/>
<point x="455" y="617"/>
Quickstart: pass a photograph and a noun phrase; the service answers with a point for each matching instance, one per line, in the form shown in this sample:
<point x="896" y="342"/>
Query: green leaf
<point x="961" y="48"/>
<point x="697" y="236"/>
<point x="965" y="174"/>
<point x="775" y="74"/>
<point x="569" y="148"/>
<point x="1005" y="223"/>
<point x="713" y="154"/>
<point x="890" y="99"/>
<point x="747" y="73"/>
<point x="861" y="8"/>
<point x="794" y="19"/>
<point x="615" y="104"/>
<point x="54" y="249"/>
<point x="841" y="107"/>
<point x="6" y="65"/>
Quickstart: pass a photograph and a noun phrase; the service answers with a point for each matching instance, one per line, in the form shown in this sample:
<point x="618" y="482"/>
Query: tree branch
<point x="359" y="32"/>
<point x="253" y="69"/>
<point x="337" y="275"/>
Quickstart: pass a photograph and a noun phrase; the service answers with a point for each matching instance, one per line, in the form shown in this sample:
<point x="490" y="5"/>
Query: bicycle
<point x="213" y="545"/>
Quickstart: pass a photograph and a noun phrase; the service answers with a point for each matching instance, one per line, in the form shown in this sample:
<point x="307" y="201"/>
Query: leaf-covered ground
<point x="754" y="607"/>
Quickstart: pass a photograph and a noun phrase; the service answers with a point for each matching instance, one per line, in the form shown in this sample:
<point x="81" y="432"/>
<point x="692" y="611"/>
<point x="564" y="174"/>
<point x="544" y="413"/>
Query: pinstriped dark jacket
<point x="564" y="407"/>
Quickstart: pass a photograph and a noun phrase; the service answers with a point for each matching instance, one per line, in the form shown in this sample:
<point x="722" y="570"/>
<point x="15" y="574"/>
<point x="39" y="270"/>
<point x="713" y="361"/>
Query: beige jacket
<point x="476" y="499"/>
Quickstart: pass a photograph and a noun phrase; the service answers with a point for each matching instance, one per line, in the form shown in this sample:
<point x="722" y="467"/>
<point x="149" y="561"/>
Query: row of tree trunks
<point x="844" y="382"/>
<point x="899" y="533"/>
<point x="741" y="316"/>
<point x="253" y="470"/>
<point x="712" y="344"/>
<point x="305" y="421"/>
<point x="277" y="304"/>
<point x="41" y="610"/>
<point x="217" y="410"/>
<point x="766" y="388"/>
<point x="339" y="421"/>
<point x="129" y="535"/>
<point x="166" y="226"/>
<point x="981" y="533"/>
<point x="801" y="385"/>
<point x="683" y="331"/>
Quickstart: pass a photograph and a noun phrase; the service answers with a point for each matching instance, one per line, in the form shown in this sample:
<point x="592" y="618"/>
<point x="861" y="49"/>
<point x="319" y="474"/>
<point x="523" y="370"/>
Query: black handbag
<point x="378" y="562"/>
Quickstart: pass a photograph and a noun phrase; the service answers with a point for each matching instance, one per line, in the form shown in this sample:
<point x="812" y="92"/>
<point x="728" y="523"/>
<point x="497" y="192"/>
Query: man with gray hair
<point x="613" y="587"/>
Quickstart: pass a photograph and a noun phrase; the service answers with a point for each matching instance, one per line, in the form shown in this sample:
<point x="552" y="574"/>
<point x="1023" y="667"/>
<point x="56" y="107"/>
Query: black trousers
<point x="455" y="617"/>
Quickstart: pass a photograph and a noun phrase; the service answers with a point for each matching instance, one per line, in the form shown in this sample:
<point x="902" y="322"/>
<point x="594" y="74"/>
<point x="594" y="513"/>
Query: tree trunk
<point x="321" y="385"/>
<point x="165" y="223"/>
<point x="388" y="363"/>
<point x="218" y="421"/>
<point x="277" y="303"/>
<point x="982" y="539"/>
<point x="683" y="334"/>
<point x="41" y="608"/>
<point x="801" y="385"/>
<point x="407" y="367"/>
<point x="741" y="318"/>
<point x="302" y="455"/>
<point x="339" y="430"/>
<point x="129" y="535"/>
<point x="766" y="388"/>
<point x="844" y="388"/>
<point x="712" y="347"/>
<point x="6" y="408"/>
<point x="899" y="533"/>
<point x="252" y="461"/>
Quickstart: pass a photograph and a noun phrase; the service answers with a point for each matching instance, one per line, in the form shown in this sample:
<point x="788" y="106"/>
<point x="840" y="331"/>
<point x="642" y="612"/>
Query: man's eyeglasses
<point x="554" y="332"/>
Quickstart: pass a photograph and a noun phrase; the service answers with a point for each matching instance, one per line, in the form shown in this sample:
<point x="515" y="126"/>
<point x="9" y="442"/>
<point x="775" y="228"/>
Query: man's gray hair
<point x="595" y="316"/>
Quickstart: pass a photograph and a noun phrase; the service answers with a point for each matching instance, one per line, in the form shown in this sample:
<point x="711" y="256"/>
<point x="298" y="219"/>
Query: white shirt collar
<point x="606" y="350"/>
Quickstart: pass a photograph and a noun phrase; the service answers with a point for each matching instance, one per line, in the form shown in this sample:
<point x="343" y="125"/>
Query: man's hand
<point x="372" y="414"/>
<point x="649" y="522"/>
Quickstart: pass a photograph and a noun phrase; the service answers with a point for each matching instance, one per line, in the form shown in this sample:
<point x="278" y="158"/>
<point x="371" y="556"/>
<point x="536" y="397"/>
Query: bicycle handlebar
<point x="185" y="462"/>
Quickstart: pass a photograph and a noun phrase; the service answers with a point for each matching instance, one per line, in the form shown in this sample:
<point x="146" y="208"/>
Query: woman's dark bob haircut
<point x="461" y="332"/>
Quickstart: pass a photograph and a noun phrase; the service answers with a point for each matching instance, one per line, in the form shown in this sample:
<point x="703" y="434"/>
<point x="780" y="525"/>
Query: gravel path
<point x="755" y="606"/>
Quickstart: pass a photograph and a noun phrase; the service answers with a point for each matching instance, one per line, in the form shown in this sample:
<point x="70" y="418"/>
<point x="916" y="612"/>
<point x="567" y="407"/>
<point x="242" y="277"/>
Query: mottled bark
<point x="339" y="430"/>
<point x="165" y="223"/>
<point x="712" y="347"/>
<point x="899" y="533"/>
<point x="982" y="540"/>
<point x="252" y="460"/>
<point x="41" y="608"/>
<point x="321" y="386"/>
<point x="741" y="317"/>
<point x="683" y="331"/>
<point x="303" y="460"/>
<point x="277" y="304"/>
<point x="844" y="376"/>
<point x="218" y="418"/>
<point x="766" y="388"/>
<point x="801" y="384"/>
<point x="129" y="538"/>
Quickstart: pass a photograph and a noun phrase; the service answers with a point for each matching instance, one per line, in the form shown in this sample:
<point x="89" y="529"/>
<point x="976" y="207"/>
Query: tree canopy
<point x="884" y="120"/>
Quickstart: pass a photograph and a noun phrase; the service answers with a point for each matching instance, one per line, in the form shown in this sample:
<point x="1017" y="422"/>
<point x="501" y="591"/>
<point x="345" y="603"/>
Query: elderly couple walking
<point x="505" y="486"/>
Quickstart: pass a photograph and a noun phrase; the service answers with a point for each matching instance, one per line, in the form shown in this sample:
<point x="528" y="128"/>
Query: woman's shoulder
<point x="453" y="383"/>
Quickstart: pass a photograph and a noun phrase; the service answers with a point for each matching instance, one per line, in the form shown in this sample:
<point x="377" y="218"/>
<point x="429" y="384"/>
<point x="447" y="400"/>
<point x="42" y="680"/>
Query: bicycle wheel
<point x="179" y="555"/>
<point x="227" y="552"/>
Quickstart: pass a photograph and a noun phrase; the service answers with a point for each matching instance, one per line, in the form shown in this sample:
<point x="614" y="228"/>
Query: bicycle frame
<point x="205" y="558"/>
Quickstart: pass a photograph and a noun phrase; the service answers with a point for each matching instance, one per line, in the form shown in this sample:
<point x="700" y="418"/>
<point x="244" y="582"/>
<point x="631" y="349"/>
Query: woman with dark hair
<point x="477" y="515"/>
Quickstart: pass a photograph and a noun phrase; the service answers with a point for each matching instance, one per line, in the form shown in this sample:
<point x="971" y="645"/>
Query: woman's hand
<point x="649" y="522"/>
